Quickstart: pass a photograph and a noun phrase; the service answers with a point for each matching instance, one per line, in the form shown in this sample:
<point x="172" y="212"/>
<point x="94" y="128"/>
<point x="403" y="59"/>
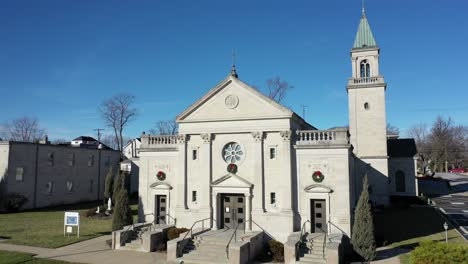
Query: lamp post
<point x="446" y="235"/>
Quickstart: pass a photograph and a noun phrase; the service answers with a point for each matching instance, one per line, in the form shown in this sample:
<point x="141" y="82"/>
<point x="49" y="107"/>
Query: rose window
<point x="233" y="153"/>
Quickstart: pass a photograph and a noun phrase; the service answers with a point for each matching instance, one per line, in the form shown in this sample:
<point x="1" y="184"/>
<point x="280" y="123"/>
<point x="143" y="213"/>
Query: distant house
<point x="49" y="174"/>
<point x="131" y="164"/>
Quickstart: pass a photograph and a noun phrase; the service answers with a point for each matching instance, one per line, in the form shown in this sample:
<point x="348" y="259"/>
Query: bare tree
<point x="118" y="112"/>
<point x="443" y="145"/>
<point x="165" y="127"/>
<point x="25" y="129"/>
<point x="60" y="141"/>
<point x="392" y="130"/>
<point x="277" y="89"/>
<point x="110" y="141"/>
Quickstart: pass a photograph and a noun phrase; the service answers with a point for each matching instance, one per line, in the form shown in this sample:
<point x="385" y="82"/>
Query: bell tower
<point x="367" y="114"/>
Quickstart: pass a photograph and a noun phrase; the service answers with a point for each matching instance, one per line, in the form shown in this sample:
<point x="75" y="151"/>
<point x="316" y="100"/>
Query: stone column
<point x="286" y="191"/>
<point x="181" y="189"/>
<point x="258" y="200"/>
<point x="205" y="174"/>
<point x="214" y="198"/>
<point x="248" y="212"/>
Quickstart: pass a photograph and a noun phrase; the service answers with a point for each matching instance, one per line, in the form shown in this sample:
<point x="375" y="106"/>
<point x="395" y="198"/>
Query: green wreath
<point x="232" y="168"/>
<point x="317" y="176"/>
<point x="161" y="175"/>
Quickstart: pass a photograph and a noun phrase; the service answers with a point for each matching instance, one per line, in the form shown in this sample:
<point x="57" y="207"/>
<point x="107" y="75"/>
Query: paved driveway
<point x="455" y="205"/>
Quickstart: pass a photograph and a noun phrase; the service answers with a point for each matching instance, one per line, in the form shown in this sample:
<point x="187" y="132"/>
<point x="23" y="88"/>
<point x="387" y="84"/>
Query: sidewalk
<point x="94" y="251"/>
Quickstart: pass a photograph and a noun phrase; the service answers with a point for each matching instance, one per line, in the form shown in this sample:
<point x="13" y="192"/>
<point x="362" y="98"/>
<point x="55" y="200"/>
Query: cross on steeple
<point x="233" y="67"/>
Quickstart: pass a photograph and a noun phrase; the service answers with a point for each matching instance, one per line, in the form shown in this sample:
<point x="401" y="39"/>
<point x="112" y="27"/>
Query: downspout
<point x="35" y="176"/>
<point x="99" y="175"/>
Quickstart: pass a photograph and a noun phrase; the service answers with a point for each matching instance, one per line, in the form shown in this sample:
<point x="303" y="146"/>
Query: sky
<point x="60" y="59"/>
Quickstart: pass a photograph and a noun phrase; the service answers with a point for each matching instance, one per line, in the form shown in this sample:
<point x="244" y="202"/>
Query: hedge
<point x="430" y="252"/>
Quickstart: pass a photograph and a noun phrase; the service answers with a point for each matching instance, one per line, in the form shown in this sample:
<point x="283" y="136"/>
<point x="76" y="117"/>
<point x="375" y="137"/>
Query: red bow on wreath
<point x="317" y="176"/>
<point x="161" y="175"/>
<point x="232" y="168"/>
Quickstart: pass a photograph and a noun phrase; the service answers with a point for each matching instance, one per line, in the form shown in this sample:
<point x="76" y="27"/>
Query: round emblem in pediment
<point x="231" y="101"/>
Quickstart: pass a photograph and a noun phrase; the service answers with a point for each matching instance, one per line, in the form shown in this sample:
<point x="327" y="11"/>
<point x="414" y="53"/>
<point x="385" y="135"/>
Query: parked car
<point x="458" y="170"/>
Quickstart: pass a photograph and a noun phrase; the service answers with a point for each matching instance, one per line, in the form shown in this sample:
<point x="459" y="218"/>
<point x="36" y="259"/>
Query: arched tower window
<point x="400" y="181"/>
<point x="365" y="69"/>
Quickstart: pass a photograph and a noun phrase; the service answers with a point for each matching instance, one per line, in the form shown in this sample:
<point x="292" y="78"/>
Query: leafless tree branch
<point x="25" y="129"/>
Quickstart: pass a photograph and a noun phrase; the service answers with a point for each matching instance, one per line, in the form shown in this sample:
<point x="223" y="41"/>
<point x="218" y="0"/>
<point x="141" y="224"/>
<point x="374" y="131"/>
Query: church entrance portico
<point x="232" y="201"/>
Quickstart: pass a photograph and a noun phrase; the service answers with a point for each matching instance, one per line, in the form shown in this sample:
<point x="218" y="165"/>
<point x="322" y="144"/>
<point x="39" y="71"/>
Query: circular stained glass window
<point x="233" y="153"/>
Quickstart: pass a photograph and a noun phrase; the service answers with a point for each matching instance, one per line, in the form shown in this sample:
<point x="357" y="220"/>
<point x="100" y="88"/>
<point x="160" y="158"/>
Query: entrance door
<point x="233" y="211"/>
<point x="318" y="216"/>
<point x="161" y="209"/>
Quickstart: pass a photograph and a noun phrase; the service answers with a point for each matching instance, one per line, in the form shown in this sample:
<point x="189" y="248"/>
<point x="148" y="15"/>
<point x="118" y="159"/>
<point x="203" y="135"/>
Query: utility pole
<point x="303" y="111"/>
<point x="99" y="133"/>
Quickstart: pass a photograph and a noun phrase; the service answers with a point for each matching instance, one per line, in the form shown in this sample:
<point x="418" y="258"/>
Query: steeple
<point x="233" y="67"/>
<point x="364" y="37"/>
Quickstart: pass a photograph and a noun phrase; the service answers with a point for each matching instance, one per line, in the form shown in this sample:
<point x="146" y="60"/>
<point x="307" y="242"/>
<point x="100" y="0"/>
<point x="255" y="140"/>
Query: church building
<point x="243" y="160"/>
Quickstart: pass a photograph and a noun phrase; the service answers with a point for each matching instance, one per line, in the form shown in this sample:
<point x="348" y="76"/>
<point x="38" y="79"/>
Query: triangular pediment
<point x="231" y="180"/>
<point x="318" y="188"/>
<point x="233" y="99"/>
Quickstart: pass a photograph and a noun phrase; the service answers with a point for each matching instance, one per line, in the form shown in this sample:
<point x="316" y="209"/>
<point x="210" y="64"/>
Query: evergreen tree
<point x="108" y="184"/>
<point x="118" y="184"/>
<point x="122" y="212"/>
<point x="362" y="238"/>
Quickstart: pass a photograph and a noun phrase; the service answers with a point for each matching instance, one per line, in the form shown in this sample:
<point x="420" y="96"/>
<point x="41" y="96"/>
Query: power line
<point x="99" y="133"/>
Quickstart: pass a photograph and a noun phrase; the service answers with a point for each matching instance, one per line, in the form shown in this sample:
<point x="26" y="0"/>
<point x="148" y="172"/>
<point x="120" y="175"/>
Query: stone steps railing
<point x="322" y="137"/>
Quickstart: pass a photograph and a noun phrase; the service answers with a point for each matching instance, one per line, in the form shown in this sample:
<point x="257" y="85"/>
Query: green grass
<point x="44" y="228"/>
<point x="9" y="257"/>
<point x="406" y="227"/>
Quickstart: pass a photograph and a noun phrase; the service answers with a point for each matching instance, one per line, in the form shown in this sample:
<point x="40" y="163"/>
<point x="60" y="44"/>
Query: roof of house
<point x="402" y="147"/>
<point x="84" y="138"/>
<point x="364" y="37"/>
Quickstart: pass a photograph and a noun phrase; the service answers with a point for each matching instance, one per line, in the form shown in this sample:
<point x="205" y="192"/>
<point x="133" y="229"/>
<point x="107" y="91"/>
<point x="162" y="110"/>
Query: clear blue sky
<point x="60" y="59"/>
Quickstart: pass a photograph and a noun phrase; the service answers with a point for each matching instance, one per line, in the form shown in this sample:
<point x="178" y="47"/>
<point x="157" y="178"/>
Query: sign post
<point x="71" y="219"/>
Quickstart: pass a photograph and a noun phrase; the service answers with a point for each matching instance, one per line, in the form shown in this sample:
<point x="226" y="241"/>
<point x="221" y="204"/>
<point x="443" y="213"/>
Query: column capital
<point x="257" y="136"/>
<point x="181" y="138"/>
<point x="206" y="137"/>
<point x="286" y="135"/>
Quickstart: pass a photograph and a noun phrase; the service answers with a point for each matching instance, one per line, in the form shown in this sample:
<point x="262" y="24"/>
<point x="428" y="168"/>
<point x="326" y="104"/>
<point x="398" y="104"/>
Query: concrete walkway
<point x="94" y="251"/>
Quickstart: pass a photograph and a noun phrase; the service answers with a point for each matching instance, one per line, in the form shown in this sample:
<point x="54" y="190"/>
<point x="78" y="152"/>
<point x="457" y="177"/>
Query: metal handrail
<point x="132" y="226"/>
<point x="191" y="230"/>
<point x="163" y="216"/>
<point x="300" y="238"/>
<point x="229" y="242"/>
<point x="234" y="235"/>
<point x="252" y="221"/>
<point x="330" y="222"/>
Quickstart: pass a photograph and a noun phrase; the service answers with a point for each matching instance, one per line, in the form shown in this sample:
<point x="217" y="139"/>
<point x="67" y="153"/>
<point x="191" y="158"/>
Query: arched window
<point x="400" y="181"/>
<point x="366" y="105"/>
<point x="365" y="69"/>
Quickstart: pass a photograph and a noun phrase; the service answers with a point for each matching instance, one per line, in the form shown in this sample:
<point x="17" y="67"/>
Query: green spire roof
<point x="364" y="37"/>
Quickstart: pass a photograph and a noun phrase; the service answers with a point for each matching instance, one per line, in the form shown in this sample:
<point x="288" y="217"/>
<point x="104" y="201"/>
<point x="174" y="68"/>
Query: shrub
<point x="362" y="238"/>
<point x="108" y="184"/>
<point x="276" y="250"/>
<point x="430" y="252"/>
<point x="122" y="212"/>
<point x="174" y="232"/>
<point x="14" y="201"/>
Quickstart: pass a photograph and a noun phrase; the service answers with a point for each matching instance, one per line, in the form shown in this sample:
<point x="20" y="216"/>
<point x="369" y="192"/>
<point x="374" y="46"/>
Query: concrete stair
<point x="311" y="251"/>
<point x="208" y="248"/>
<point x="134" y="241"/>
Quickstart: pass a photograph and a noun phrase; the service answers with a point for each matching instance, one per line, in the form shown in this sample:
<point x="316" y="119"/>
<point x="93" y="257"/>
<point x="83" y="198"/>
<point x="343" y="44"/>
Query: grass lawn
<point x="8" y="257"/>
<point x="406" y="227"/>
<point x="44" y="227"/>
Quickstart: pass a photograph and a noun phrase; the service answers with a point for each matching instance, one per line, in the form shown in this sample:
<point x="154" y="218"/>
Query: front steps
<point x="210" y="247"/>
<point x="134" y="241"/>
<point x="311" y="251"/>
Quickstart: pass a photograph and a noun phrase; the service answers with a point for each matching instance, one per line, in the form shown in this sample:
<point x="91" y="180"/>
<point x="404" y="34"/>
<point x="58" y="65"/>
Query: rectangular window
<point x="69" y="186"/>
<point x="194" y="196"/>
<point x="194" y="154"/>
<point x="90" y="160"/>
<point x="71" y="159"/>
<point x="273" y="198"/>
<point x="50" y="159"/>
<point x="107" y="162"/>
<point x="19" y="174"/>
<point x="272" y="153"/>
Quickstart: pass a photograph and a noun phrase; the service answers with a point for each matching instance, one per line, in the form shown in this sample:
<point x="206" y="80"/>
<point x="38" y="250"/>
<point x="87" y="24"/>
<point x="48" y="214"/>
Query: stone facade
<point x="242" y="157"/>
<point x="51" y="175"/>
